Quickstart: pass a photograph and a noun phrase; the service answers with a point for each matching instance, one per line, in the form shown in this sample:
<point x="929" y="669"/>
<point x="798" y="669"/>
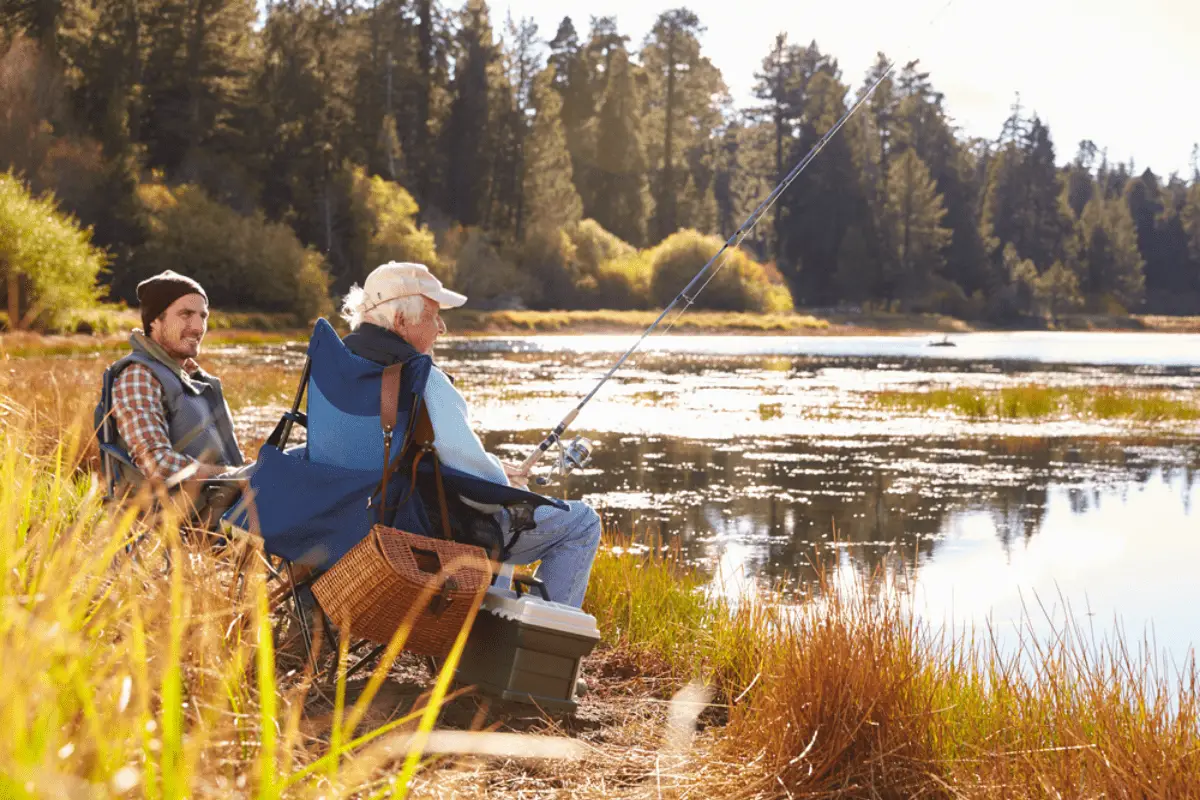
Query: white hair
<point x="390" y="314"/>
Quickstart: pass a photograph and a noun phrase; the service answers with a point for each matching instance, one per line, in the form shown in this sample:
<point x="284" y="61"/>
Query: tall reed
<point x="850" y="695"/>
<point x="138" y="661"/>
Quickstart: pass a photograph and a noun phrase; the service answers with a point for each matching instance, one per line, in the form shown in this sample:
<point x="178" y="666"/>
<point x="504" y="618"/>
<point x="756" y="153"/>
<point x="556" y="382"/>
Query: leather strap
<point x="420" y="437"/>
<point x="441" y="491"/>
<point x="389" y="397"/>
<point x="423" y="428"/>
<point x="423" y="437"/>
<point x="389" y="403"/>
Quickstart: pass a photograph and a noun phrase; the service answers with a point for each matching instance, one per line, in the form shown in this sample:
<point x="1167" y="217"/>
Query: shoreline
<point x="279" y="329"/>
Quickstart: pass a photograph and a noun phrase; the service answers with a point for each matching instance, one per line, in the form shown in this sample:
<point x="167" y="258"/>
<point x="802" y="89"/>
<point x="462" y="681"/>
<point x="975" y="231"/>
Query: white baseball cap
<point x="397" y="279"/>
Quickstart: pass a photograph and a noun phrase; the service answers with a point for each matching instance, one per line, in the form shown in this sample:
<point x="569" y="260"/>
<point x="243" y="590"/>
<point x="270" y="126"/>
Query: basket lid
<point x="530" y="610"/>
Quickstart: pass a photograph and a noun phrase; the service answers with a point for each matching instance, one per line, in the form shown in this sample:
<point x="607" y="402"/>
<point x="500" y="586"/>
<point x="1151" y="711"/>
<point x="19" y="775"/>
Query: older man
<point x="171" y="416"/>
<point x="395" y="312"/>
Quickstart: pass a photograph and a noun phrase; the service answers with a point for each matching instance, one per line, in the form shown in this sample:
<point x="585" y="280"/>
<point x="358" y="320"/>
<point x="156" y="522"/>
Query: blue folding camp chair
<point x="118" y="467"/>
<point x="116" y="464"/>
<point x="311" y="503"/>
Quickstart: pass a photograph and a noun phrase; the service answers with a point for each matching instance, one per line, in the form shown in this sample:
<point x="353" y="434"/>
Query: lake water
<point x="760" y="456"/>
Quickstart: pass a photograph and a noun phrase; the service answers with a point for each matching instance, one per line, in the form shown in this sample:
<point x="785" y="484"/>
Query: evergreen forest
<point x="279" y="154"/>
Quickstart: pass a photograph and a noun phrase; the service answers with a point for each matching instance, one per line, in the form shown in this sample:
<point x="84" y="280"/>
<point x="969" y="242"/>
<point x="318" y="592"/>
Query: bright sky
<point x="1095" y="69"/>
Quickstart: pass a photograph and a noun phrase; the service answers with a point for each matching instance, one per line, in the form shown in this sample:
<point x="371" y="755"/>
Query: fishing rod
<point x="578" y="452"/>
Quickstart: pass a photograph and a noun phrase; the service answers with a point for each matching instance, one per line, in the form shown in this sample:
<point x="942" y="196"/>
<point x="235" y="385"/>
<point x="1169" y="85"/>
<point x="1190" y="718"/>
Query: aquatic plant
<point x="769" y="411"/>
<point x="1031" y="401"/>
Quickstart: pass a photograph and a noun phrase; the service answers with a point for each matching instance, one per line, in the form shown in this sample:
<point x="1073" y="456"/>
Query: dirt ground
<point x="626" y="739"/>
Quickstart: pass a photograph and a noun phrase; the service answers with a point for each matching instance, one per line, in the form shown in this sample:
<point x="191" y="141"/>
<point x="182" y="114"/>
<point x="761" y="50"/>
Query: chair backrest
<point x="115" y="462"/>
<point x="344" y="403"/>
<point x="310" y="505"/>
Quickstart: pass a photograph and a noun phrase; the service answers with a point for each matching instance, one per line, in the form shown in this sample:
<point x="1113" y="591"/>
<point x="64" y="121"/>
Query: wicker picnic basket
<point x="393" y="578"/>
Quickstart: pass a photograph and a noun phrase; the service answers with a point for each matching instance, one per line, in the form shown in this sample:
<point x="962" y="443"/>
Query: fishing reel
<point x="576" y="455"/>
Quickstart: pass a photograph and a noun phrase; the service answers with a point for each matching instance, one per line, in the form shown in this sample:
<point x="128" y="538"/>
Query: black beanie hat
<point x="156" y="293"/>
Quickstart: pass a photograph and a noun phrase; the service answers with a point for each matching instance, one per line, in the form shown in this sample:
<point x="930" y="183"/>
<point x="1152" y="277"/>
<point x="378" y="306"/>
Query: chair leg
<point x="305" y="633"/>
<point x="363" y="661"/>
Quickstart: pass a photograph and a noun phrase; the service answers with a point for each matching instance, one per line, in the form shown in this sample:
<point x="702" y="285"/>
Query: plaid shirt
<point x="141" y="419"/>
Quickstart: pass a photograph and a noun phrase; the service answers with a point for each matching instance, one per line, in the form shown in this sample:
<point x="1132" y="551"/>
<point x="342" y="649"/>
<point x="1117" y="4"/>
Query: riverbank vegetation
<point x="547" y="169"/>
<point x="1032" y="401"/>
<point x="517" y="322"/>
<point x="130" y="674"/>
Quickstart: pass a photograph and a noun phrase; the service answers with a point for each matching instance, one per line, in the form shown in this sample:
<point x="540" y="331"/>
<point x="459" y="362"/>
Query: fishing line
<point x="579" y="451"/>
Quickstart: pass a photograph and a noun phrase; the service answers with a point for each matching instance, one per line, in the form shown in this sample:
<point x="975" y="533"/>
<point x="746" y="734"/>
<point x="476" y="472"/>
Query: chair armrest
<point x="113" y="451"/>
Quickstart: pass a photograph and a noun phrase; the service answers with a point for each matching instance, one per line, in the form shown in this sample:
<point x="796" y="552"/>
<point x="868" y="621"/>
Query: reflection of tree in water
<point x="883" y="500"/>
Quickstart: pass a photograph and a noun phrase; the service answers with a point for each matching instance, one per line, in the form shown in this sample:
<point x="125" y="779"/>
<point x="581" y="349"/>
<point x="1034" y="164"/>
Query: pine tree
<point x="470" y="160"/>
<point x="921" y="124"/>
<point x="819" y="209"/>
<point x="1057" y="290"/>
<point x="913" y="217"/>
<point x="782" y="85"/>
<point x="549" y="194"/>
<point x="196" y="81"/>
<point x="1079" y="180"/>
<point x="679" y="116"/>
<point x="391" y="95"/>
<point x="1024" y="204"/>
<point x="297" y="129"/>
<point x="589" y="79"/>
<point x="1190" y="219"/>
<point x="429" y="95"/>
<point x="563" y="49"/>
<point x="604" y="42"/>
<point x="572" y="79"/>
<point x="1145" y="200"/>
<point x="621" y="196"/>
<point x="1106" y="256"/>
<point x="880" y="123"/>
<point x="522" y="67"/>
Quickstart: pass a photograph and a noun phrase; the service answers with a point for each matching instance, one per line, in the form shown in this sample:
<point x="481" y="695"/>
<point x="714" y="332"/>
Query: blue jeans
<point x="566" y="542"/>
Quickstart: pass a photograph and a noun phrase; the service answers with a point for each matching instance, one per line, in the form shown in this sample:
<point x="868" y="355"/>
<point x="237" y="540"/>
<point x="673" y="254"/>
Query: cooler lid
<point x="530" y="610"/>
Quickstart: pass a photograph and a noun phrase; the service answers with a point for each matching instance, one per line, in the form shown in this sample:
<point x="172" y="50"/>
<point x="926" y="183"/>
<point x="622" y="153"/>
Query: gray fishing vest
<point x="198" y="418"/>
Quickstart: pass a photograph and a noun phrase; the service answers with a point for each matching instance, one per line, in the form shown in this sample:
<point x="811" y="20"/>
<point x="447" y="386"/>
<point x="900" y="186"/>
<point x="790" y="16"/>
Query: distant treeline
<point x="280" y="159"/>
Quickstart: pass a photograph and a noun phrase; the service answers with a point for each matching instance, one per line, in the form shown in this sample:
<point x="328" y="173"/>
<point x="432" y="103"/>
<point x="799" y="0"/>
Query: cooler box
<point x="527" y="649"/>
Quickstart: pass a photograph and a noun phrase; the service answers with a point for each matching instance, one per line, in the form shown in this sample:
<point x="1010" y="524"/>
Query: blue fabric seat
<point x="312" y="503"/>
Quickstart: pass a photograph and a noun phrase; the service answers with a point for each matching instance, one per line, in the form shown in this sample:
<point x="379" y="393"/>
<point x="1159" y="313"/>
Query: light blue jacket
<point x="457" y="443"/>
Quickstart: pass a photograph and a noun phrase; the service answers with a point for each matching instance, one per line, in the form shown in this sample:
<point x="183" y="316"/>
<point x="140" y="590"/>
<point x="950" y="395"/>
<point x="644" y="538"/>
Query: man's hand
<point x="515" y="475"/>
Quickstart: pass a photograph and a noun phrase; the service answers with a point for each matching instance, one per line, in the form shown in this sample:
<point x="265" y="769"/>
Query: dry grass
<point x="849" y="696"/>
<point x="128" y="675"/>
<point x="139" y="662"/>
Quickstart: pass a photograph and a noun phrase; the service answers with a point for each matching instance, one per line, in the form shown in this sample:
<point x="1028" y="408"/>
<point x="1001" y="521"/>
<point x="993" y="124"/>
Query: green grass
<point x="769" y="411"/>
<point x="1043" y="402"/>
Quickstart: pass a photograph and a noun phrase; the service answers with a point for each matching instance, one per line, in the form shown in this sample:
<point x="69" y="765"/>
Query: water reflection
<point x="1117" y="556"/>
<point x="777" y="499"/>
